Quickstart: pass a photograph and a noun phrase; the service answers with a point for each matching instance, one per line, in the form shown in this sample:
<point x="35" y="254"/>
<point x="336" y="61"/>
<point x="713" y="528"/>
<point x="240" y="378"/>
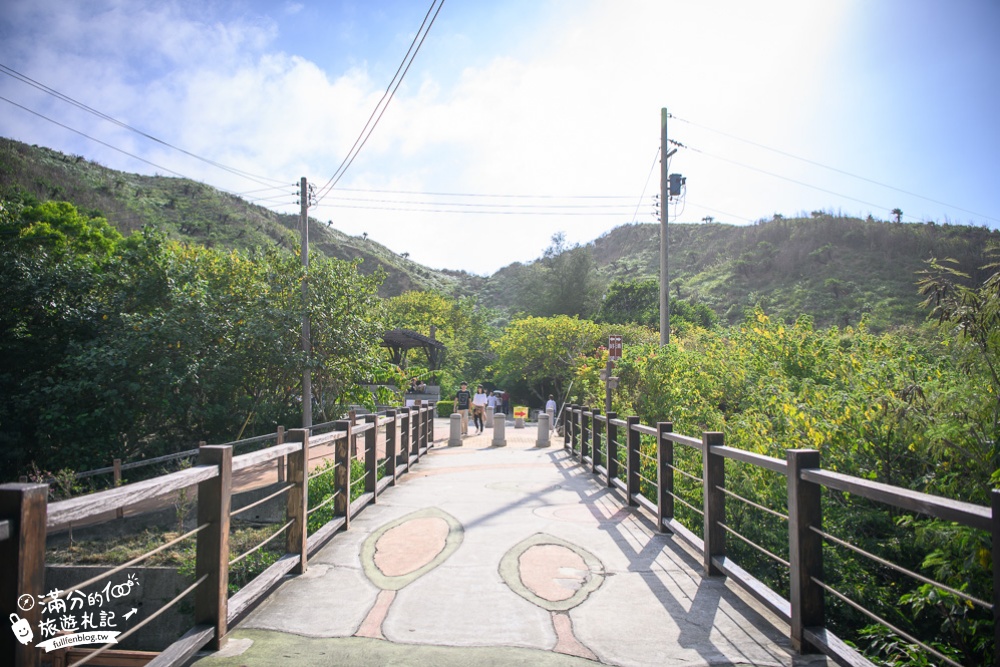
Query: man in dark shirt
<point x="462" y="400"/>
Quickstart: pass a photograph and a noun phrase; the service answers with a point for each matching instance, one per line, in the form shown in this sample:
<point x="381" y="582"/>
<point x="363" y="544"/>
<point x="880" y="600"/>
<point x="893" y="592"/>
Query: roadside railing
<point x="620" y="463"/>
<point x="26" y="516"/>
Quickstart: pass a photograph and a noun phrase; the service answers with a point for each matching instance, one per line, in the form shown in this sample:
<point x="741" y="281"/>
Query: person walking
<point x="550" y="407"/>
<point x="479" y="409"/>
<point x="463" y="398"/>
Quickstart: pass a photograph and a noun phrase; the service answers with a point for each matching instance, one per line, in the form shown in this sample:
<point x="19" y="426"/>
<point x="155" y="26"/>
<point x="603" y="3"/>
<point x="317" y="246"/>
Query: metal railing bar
<point x="142" y="623"/>
<point x="645" y="479"/>
<point x="139" y="559"/>
<point x="262" y="500"/>
<point x="648" y="457"/>
<point x="878" y="619"/>
<point x="756" y="546"/>
<point x="322" y="472"/>
<point x="686" y="474"/>
<point x="323" y="504"/>
<point x="685" y="503"/>
<point x="752" y="503"/>
<point x="159" y="459"/>
<point x="262" y="544"/>
<point x="252" y="441"/>
<point x="901" y="569"/>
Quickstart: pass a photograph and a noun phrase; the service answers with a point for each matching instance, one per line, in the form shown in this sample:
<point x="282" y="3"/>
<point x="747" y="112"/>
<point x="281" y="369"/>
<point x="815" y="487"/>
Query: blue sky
<point x="546" y="111"/>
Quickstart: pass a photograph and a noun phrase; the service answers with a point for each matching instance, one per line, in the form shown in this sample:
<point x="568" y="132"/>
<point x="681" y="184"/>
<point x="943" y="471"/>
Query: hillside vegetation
<point x="834" y="269"/>
<point x="193" y="212"/>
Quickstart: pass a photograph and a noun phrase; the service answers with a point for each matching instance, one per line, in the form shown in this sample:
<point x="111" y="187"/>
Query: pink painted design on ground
<point x="566" y="641"/>
<point x="372" y="625"/>
<point x="552" y="572"/>
<point x="410" y="545"/>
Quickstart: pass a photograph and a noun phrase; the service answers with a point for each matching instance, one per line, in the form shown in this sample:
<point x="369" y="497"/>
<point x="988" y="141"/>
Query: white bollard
<point x="499" y="431"/>
<point x="543" y="430"/>
<point x="552" y="418"/>
<point x="489" y="416"/>
<point x="455" y="435"/>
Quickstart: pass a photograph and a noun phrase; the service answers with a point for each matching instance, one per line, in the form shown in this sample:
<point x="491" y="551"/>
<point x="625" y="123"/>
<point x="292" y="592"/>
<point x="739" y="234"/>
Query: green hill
<point x="193" y="212"/>
<point x="835" y="269"/>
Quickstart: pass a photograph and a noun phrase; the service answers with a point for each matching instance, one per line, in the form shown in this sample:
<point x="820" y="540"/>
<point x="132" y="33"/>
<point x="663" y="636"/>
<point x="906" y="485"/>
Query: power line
<point x="467" y="211"/>
<point x="387" y="96"/>
<point x="646" y="185"/>
<point x="790" y="180"/>
<point x="473" y="205"/>
<point x="100" y="114"/>
<point x="498" y="196"/>
<point x="835" y="169"/>
<point x="123" y="152"/>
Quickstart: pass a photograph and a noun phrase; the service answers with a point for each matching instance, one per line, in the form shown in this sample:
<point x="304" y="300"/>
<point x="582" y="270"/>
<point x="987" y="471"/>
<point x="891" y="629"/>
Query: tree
<point x="897" y="213"/>
<point x="543" y="352"/>
<point x="635" y="300"/>
<point x="115" y="347"/>
<point x="562" y="282"/>
<point x="461" y="324"/>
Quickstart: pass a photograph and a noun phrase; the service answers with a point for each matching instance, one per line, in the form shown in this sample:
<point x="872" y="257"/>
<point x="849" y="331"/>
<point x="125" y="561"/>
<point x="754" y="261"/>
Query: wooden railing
<point x="26" y="514"/>
<point x="805" y="610"/>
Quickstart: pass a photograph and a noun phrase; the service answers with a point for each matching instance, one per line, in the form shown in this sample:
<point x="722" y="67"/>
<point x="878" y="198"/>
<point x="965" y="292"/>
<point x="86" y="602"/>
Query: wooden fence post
<point x="22" y="561"/>
<point x="713" y="480"/>
<point x="342" y="474"/>
<point x="297" y="500"/>
<point x="664" y="475"/>
<point x="352" y="417"/>
<point x="577" y="412"/>
<point x="805" y="547"/>
<point x="371" y="456"/>
<point x="281" y="460"/>
<point x="404" y="436"/>
<point x="211" y="599"/>
<point x="390" y="446"/>
<point x="633" y="439"/>
<point x="415" y="439"/>
<point x="595" y="441"/>
<point x="418" y="422"/>
<point x="431" y="414"/>
<point x="585" y="423"/>
<point x="612" y="446"/>
<point x="566" y="417"/>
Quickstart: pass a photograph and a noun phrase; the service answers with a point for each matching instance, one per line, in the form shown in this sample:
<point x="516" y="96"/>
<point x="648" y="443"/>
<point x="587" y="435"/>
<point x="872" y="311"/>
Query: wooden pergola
<point x="401" y="341"/>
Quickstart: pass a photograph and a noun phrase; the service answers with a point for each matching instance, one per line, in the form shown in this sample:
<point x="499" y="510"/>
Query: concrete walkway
<point x="505" y="556"/>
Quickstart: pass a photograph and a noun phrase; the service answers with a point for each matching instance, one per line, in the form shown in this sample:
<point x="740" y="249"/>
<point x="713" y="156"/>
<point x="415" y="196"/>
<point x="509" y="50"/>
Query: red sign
<point x="615" y="348"/>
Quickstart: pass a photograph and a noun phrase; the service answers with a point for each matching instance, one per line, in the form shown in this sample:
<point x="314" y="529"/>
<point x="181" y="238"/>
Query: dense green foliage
<point x="126" y="348"/>
<point x="461" y="324"/>
<point x="913" y="408"/>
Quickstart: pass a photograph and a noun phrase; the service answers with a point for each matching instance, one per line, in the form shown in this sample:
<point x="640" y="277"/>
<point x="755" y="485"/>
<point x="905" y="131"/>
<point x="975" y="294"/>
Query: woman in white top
<point x="479" y="409"/>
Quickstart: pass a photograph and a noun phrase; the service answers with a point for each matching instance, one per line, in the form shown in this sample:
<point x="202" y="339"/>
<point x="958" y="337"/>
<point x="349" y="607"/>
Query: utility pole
<point x="306" y="336"/>
<point x="664" y="209"/>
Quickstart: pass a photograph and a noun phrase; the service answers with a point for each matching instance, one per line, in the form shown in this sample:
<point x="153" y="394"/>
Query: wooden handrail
<point x="976" y="516"/>
<point x="805" y="480"/>
<point x="77" y="509"/>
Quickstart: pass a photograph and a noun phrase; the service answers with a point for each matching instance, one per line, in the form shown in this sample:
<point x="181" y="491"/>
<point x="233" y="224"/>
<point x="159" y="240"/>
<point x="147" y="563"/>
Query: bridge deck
<point x="505" y="556"/>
